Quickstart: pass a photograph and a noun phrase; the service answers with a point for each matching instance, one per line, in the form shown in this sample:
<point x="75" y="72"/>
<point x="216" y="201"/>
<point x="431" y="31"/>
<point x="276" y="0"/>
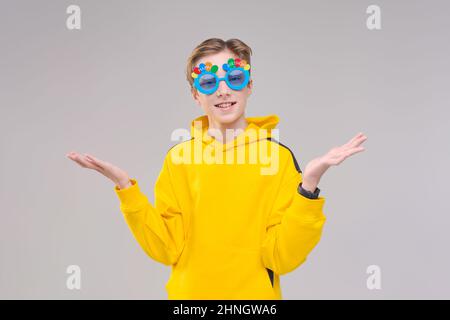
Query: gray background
<point x="116" y="89"/>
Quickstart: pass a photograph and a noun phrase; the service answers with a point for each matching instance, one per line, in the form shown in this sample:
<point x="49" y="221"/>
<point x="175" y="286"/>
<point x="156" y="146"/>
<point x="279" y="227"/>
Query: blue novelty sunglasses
<point x="208" y="82"/>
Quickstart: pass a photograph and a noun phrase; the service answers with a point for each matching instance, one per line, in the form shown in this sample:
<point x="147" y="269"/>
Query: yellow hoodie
<point x="228" y="229"/>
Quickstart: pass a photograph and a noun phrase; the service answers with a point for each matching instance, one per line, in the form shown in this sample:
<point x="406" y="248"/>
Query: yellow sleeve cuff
<point x="131" y="198"/>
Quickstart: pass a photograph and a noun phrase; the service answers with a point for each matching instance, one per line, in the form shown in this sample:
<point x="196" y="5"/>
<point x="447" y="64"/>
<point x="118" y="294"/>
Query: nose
<point x="223" y="89"/>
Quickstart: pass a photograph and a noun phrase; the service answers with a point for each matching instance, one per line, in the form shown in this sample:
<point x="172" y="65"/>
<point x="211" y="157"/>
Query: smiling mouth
<point x="225" y="105"/>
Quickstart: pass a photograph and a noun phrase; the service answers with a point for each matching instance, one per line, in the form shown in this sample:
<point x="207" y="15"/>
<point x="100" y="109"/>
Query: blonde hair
<point x="216" y="45"/>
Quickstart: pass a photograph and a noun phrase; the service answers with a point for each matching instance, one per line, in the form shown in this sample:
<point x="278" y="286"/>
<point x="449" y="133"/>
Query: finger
<point x="94" y="160"/>
<point x="96" y="163"/>
<point x="70" y="155"/>
<point x="358" y="141"/>
<point x="73" y="156"/>
<point x="79" y="160"/>
<point x="354" y="150"/>
<point x="83" y="162"/>
<point x="360" y="134"/>
<point x="95" y="166"/>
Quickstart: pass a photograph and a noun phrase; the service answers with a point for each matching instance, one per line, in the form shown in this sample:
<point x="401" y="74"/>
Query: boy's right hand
<point x="115" y="174"/>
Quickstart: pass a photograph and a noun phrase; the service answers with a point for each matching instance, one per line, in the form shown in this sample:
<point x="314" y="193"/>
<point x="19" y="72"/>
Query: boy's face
<point x="209" y="103"/>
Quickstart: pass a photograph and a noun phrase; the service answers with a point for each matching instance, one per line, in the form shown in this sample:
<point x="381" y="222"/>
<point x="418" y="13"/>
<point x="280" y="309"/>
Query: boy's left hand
<point x="317" y="167"/>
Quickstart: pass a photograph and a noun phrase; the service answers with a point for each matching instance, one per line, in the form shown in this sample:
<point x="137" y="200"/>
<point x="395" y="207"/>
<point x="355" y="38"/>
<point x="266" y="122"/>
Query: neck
<point x="239" y="123"/>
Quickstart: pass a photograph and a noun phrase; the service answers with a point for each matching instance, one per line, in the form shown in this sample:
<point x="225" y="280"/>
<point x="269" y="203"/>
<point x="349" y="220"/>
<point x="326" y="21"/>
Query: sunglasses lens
<point x="207" y="81"/>
<point x="236" y="78"/>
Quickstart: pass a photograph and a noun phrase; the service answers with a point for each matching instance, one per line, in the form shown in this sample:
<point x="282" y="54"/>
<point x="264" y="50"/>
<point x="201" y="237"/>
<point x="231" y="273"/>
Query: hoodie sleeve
<point x="158" y="229"/>
<point x="293" y="229"/>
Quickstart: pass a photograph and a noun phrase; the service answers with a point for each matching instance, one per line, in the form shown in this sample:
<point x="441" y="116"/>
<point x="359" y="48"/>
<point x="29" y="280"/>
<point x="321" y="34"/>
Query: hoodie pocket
<point x="265" y="275"/>
<point x="271" y="276"/>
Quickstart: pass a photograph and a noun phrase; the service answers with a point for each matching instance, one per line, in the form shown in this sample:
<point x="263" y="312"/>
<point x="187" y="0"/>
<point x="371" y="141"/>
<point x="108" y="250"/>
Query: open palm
<point x="114" y="173"/>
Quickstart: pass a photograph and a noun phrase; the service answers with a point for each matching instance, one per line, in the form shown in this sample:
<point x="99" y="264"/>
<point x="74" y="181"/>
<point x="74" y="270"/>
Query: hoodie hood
<point x="258" y="128"/>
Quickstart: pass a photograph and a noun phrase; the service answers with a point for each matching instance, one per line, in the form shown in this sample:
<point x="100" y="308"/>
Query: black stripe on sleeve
<point x="293" y="157"/>
<point x="178" y="144"/>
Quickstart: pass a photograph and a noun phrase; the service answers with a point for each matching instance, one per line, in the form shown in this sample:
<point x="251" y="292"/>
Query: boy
<point x="227" y="222"/>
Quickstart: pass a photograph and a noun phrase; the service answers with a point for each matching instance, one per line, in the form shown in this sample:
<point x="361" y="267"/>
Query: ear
<point x="250" y="86"/>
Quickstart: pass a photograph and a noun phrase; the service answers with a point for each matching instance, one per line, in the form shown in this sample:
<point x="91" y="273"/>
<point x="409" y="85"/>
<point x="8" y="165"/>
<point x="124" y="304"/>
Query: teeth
<point x="224" y="105"/>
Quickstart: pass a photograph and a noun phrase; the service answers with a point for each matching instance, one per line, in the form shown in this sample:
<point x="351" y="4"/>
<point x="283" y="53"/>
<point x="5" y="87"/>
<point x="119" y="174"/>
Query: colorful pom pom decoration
<point x="209" y="67"/>
<point x="235" y="63"/>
